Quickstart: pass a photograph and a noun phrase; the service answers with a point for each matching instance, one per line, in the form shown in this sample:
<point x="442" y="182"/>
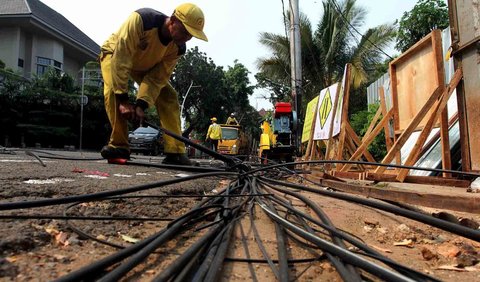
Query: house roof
<point x="36" y="10"/>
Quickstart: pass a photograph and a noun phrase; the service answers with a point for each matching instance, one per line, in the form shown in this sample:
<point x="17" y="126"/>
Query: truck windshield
<point x="229" y="133"/>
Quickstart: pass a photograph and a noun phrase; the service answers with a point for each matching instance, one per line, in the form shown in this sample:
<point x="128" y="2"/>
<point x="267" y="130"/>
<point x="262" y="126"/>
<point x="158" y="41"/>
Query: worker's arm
<point x="208" y="133"/>
<point x="122" y="46"/>
<point x="126" y="42"/>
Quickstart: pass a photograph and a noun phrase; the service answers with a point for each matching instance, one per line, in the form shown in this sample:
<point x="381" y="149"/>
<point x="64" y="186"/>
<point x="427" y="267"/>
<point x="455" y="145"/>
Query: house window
<point x="44" y="63"/>
<point x="20" y="62"/>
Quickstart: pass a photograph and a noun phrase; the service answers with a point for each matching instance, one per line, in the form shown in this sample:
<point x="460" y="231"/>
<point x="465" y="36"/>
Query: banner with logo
<point x="309" y="115"/>
<point x="323" y="121"/>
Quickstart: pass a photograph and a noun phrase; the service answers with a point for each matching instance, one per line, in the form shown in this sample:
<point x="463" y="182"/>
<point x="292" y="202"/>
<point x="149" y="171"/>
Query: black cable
<point x="366" y="163"/>
<point x="290" y="260"/>
<point x="344" y="18"/>
<point x="30" y="153"/>
<point x="228" y="160"/>
<point x="101" y="195"/>
<point x="212" y="264"/>
<point x="181" y="261"/>
<point x="72" y="217"/>
<point x="347" y="273"/>
<point x="341" y="253"/>
<point x="442" y="224"/>
<point x="357" y="242"/>
<point x="260" y="244"/>
<point x="170" y="232"/>
<point x="49" y="155"/>
<point x="247" y="253"/>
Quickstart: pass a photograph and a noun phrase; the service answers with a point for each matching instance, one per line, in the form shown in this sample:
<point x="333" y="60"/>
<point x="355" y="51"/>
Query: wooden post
<point x="383" y="107"/>
<point x="417" y="119"/>
<point x="439" y="109"/>
<point x="368" y="139"/>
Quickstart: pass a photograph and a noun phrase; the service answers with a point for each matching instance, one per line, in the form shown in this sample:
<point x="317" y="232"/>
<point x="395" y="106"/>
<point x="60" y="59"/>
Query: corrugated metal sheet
<point x="372" y="89"/>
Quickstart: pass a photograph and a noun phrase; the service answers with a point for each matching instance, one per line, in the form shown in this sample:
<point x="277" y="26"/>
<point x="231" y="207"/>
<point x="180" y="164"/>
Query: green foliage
<point x="360" y="121"/>
<point x="212" y="91"/>
<point x="47" y="111"/>
<point x="326" y="49"/>
<point x="279" y="92"/>
<point x="11" y="84"/>
<point x="54" y="80"/>
<point x="2" y="64"/>
<point x="420" y="21"/>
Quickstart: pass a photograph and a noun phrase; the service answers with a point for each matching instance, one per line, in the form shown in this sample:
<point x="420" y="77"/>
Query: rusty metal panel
<point x="468" y="28"/>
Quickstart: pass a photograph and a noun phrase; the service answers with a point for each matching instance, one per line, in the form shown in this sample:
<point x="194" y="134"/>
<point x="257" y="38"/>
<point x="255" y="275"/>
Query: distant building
<point x="262" y="112"/>
<point x="34" y="37"/>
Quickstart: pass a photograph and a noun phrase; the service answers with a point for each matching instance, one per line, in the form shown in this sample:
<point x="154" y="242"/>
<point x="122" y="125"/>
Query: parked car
<point x="146" y="140"/>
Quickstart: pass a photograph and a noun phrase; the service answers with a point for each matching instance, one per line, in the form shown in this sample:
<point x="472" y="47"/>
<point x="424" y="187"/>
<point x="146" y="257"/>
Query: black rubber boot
<point x="109" y="152"/>
<point x="178" y="159"/>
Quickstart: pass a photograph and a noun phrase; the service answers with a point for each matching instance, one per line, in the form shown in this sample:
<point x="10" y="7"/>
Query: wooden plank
<point x="406" y="134"/>
<point x="383" y="107"/>
<point x="307" y="156"/>
<point x="414" y="75"/>
<point x="445" y="139"/>
<point x="357" y="141"/>
<point x="341" y="141"/>
<point x="427" y="180"/>
<point x="414" y="154"/>
<point x="346" y="99"/>
<point x="459" y="202"/>
<point x="373" y="123"/>
<point x="402" y="139"/>
<point x="414" y="179"/>
<point x="330" y="131"/>
<point x="368" y="139"/>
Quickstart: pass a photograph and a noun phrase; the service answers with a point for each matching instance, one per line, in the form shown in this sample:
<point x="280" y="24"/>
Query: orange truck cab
<point x="234" y="141"/>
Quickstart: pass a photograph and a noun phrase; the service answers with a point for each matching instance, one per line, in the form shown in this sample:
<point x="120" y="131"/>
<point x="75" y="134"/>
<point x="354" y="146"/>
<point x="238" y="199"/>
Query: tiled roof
<point x="47" y="16"/>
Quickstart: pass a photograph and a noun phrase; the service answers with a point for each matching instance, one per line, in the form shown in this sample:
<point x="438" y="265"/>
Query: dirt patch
<point x="47" y="248"/>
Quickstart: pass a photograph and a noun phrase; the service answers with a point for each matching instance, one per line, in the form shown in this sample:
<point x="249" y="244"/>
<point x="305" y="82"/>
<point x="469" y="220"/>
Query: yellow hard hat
<point x="213" y="119"/>
<point x="192" y="18"/>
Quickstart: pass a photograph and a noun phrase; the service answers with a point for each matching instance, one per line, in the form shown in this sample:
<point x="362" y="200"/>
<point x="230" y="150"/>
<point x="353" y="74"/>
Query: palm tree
<point x="327" y="49"/>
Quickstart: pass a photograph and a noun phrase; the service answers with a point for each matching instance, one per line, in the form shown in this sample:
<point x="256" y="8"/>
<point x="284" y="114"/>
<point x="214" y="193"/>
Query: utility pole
<point x="296" y="63"/>
<point x="183" y="103"/>
<point x="81" y="108"/>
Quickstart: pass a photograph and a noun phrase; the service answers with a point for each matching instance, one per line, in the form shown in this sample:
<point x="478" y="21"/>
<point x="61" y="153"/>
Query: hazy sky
<point x="232" y="26"/>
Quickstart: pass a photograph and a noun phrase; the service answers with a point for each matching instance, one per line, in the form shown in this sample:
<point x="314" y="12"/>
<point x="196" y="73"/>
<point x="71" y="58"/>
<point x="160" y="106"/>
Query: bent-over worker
<point x="146" y="49"/>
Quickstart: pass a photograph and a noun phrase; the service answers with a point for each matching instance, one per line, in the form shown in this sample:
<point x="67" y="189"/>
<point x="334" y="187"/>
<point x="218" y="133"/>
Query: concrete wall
<point x="71" y="67"/>
<point x="9" y="46"/>
<point x="18" y="44"/>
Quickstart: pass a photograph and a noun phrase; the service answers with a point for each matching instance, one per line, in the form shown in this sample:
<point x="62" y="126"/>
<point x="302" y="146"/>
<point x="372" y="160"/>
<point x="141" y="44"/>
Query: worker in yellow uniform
<point x="214" y="133"/>
<point x="146" y="49"/>
<point x="231" y="120"/>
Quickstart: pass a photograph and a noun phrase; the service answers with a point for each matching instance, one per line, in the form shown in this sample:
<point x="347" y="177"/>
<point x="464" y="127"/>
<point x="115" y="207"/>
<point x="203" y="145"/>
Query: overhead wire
<point x="339" y="11"/>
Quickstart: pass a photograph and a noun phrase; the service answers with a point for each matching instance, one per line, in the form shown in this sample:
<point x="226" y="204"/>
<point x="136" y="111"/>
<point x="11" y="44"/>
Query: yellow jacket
<point x="232" y="121"/>
<point x="214" y="132"/>
<point x="138" y="50"/>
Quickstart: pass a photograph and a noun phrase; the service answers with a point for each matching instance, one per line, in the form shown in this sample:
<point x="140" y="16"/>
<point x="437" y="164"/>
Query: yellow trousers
<point x="166" y="104"/>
